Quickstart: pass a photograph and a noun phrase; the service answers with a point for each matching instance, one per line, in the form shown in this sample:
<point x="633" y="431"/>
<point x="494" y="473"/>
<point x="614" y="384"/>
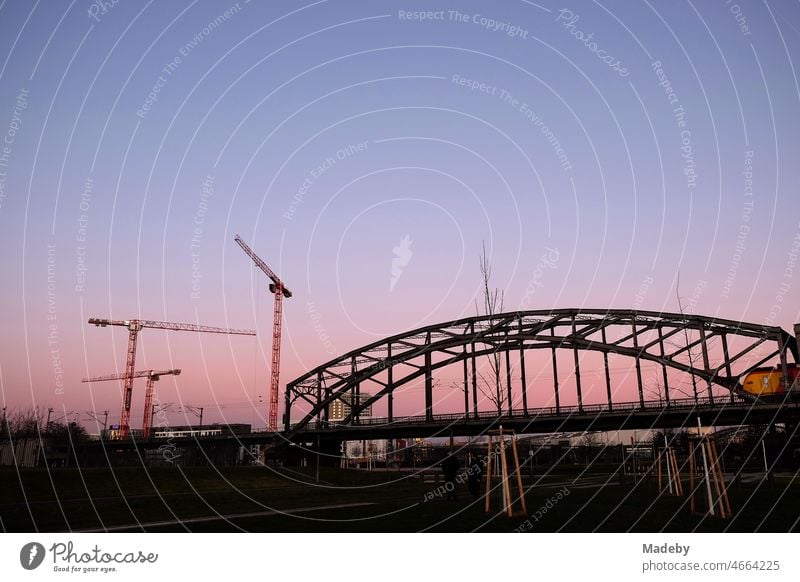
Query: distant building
<point x="364" y="454"/>
<point x="341" y="407"/>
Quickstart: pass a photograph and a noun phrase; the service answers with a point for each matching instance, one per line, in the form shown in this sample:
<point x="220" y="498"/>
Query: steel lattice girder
<point x="524" y="331"/>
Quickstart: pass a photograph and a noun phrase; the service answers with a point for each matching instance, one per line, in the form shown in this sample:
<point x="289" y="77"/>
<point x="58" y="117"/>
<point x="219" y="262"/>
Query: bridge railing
<point x="549" y="411"/>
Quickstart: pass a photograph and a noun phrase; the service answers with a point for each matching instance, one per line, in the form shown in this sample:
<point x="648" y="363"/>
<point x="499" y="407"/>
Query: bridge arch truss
<point x="671" y="341"/>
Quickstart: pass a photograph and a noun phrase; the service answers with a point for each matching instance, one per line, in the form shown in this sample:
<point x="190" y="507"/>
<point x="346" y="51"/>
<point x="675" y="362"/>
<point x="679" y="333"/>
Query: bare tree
<point x="689" y="352"/>
<point x="654" y="388"/>
<point x="710" y="344"/>
<point x="493" y="300"/>
<point x="30" y="423"/>
<point x="25" y="422"/>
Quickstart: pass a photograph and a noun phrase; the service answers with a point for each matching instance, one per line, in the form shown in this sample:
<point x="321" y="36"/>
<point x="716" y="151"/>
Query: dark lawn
<point x="69" y="499"/>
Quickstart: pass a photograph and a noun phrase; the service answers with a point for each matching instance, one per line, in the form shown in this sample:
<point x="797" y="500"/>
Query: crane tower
<point x="280" y="291"/>
<point x="134" y="327"/>
<point x="152" y="376"/>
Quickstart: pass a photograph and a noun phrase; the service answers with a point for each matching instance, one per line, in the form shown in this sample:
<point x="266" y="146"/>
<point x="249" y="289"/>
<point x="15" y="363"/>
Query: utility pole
<point x="65" y="417"/>
<point x="196" y="410"/>
<point x="94" y="416"/>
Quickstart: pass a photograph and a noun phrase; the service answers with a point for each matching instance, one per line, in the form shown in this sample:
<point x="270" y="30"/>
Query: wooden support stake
<point x="725" y="499"/>
<point x="692" y="502"/>
<point x="714" y="470"/>
<point x="504" y="474"/>
<point x="519" y="476"/>
<point x="505" y="477"/>
<point x="724" y="502"/>
<point x="489" y="476"/>
<point x="671" y="471"/>
<point x="676" y="474"/>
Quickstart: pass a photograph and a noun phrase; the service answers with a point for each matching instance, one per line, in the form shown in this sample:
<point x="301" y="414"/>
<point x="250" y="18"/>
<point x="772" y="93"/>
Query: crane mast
<point x="134" y="327"/>
<point x="152" y="376"/>
<point x="280" y="291"/>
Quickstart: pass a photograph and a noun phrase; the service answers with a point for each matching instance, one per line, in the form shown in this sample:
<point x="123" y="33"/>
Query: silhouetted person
<point x="450" y="467"/>
<point x="474" y="476"/>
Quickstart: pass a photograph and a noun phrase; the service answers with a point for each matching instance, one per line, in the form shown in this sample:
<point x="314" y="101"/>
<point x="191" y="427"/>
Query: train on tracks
<point x="768" y="385"/>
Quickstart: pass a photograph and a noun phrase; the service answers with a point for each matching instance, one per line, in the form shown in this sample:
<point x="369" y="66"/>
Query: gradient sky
<point x="324" y="133"/>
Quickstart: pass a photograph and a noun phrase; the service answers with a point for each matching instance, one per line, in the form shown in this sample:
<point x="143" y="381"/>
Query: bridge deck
<point x="621" y="416"/>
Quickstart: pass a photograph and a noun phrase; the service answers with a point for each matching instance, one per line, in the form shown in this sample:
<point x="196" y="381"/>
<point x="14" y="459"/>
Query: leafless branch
<point x="689" y="352"/>
<point x="493" y="302"/>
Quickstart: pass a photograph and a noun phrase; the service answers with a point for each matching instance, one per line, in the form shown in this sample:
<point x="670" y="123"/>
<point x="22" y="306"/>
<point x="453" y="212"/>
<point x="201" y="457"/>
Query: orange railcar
<point x="768" y="383"/>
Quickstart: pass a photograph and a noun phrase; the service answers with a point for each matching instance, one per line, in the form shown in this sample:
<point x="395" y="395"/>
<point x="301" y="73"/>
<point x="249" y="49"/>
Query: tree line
<point x="31" y="422"/>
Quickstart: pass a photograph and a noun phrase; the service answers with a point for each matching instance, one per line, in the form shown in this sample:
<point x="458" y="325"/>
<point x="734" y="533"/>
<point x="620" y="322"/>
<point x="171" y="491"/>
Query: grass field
<point x="260" y="499"/>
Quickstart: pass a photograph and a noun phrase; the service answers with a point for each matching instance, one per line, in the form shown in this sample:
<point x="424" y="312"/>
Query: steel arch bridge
<point x="714" y="351"/>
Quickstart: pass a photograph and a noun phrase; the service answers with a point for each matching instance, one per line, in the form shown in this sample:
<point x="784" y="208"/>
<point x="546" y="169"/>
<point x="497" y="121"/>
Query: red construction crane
<point x="280" y="291"/>
<point x="136" y="325"/>
<point x="152" y="377"/>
